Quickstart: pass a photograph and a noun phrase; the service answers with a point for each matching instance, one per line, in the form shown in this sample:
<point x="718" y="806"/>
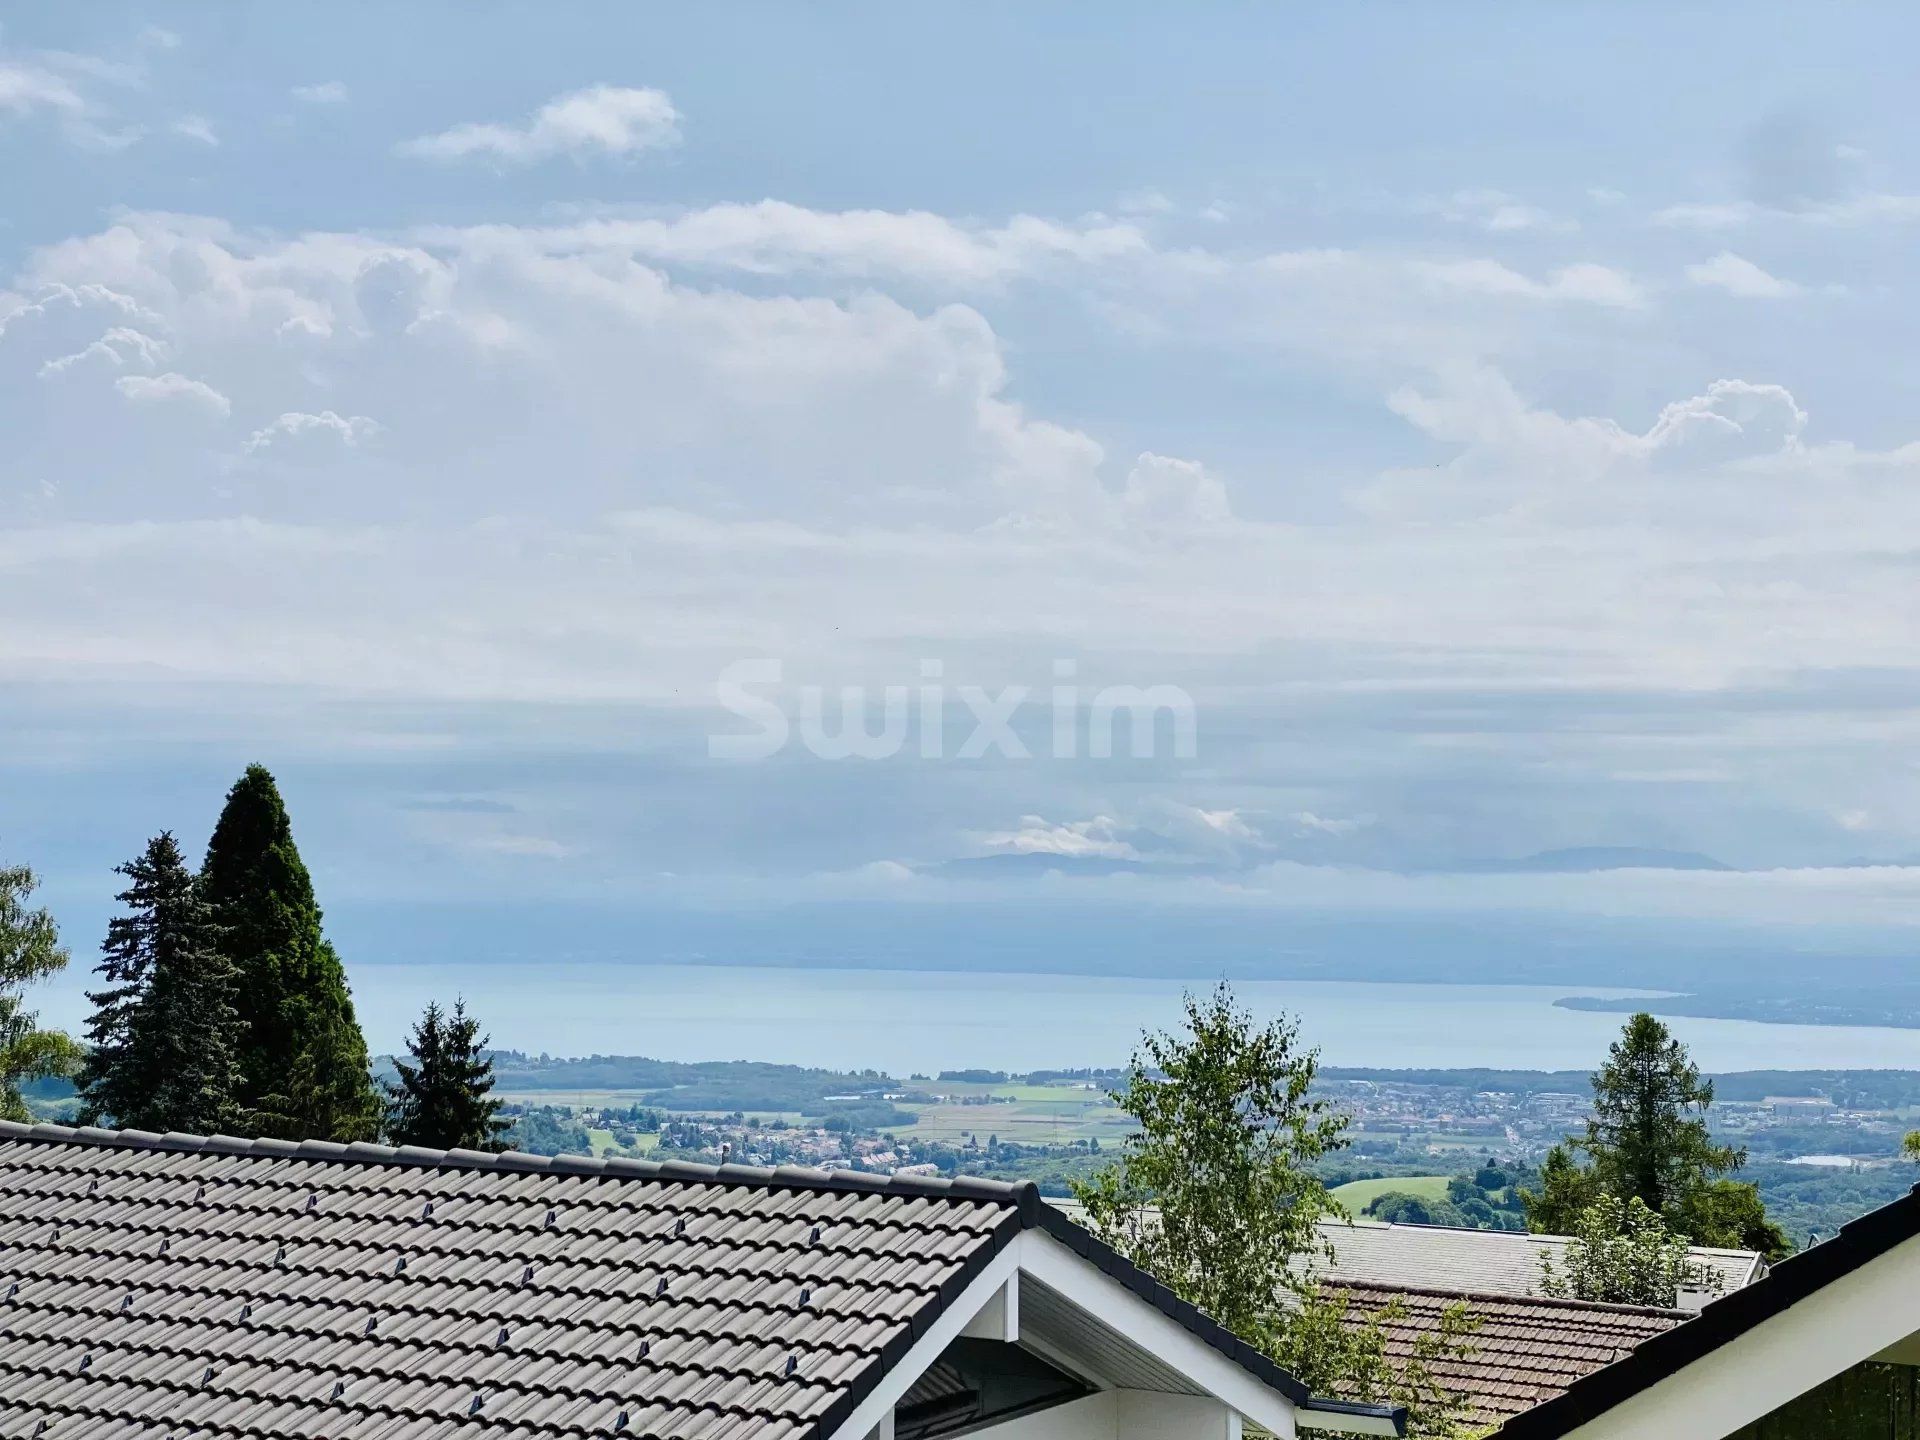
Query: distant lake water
<point x="907" y="1022"/>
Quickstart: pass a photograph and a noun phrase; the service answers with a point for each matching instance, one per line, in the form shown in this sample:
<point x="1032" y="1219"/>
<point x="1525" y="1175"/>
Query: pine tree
<point x="445" y="1097"/>
<point x="30" y="950"/>
<point x="163" y="1030"/>
<point x="302" y="1059"/>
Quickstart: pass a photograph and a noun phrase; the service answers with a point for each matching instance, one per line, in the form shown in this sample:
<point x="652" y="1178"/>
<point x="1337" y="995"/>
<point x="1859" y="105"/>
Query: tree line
<point x="223" y="1007"/>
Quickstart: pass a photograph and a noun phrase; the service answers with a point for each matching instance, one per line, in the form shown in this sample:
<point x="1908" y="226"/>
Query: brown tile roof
<point x="266" y="1289"/>
<point x="1526" y="1350"/>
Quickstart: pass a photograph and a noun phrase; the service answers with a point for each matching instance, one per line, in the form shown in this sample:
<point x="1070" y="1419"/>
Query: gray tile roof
<point x="162" y="1286"/>
<point x="1488" y="1262"/>
<point x="165" y="1286"/>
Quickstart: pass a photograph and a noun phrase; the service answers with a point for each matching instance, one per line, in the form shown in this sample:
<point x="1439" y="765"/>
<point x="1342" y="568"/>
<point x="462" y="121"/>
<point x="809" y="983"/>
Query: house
<point x="167" y="1286"/>
<point x="1824" y="1347"/>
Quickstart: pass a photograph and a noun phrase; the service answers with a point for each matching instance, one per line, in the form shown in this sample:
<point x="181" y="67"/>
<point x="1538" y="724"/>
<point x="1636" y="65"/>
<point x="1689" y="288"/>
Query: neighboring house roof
<point x="1491" y="1262"/>
<point x="1522" y="1350"/>
<point x="266" y="1288"/>
<point x="1814" y="1315"/>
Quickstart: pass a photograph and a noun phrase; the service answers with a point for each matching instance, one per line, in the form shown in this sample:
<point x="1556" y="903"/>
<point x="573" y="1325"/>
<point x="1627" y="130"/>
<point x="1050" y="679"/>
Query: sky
<point x="1493" y="424"/>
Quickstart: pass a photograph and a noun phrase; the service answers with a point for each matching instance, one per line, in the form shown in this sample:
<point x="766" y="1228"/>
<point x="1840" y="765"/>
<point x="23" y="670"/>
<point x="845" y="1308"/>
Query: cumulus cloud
<point x="173" y="389"/>
<point x="301" y="431"/>
<point x="1096" y="838"/>
<point x="122" y="346"/>
<point x="603" y="119"/>
<point x="1740" y="277"/>
<point x="1161" y="488"/>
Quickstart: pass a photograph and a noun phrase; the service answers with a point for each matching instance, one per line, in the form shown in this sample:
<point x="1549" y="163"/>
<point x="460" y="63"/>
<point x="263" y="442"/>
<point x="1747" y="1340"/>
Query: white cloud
<point x="195" y="127"/>
<point x="771" y="237"/>
<point x="1160" y="488"/>
<point x="1839" y="212"/>
<point x="157" y="38"/>
<point x="25" y="89"/>
<point x="326" y="92"/>
<point x="1501" y="214"/>
<point x="120" y="347"/>
<point x="581" y="457"/>
<point x="1337" y="826"/>
<point x="1097" y="838"/>
<point x="171" y="388"/>
<point x="64" y="87"/>
<point x="1740" y="277"/>
<point x="1587" y="283"/>
<point x="300" y="429"/>
<point x="604" y="119"/>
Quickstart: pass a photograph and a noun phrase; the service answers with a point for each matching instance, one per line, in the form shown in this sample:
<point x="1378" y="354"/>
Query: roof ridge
<point x="1505" y="1297"/>
<point x="1022" y="1195"/>
<point x="1363" y="1221"/>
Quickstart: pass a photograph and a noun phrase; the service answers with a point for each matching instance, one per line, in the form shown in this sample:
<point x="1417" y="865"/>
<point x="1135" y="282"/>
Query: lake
<point x="907" y="1022"/>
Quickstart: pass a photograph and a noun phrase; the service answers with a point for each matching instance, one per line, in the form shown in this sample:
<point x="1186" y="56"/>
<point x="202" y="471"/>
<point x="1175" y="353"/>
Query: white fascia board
<point x="1851" y="1319"/>
<point x="1093" y="1290"/>
<point x="878" y="1405"/>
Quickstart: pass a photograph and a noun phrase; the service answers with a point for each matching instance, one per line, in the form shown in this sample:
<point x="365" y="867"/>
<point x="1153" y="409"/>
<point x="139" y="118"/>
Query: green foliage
<point x="163" y="1029"/>
<point x="445" y="1097"/>
<point x="1648" y="1136"/>
<point x="1334" y="1352"/>
<point x="1648" y="1141"/>
<point x="547" y="1130"/>
<point x="302" y="1059"/>
<point x="719" y="1085"/>
<point x="1622" y="1253"/>
<point x="30" y="950"/>
<point x="1216" y="1195"/>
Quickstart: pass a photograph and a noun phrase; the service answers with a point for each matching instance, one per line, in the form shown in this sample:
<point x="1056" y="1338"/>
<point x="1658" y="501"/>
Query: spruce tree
<point x="163" y="1029"/>
<point x="1648" y="1141"/>
<point x="445" y="1097"/>
<point x="30" y="950"/>
<point x="302" y="1058"/>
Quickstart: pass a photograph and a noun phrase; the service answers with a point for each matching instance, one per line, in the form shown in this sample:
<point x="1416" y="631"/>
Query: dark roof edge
<point x="1723" y="1320"/>
<point x="1020" y="1196"/>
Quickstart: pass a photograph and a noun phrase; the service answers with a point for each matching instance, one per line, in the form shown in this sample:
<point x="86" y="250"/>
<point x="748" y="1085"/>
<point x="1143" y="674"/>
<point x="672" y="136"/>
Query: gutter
<point x="1350" y="1417"/>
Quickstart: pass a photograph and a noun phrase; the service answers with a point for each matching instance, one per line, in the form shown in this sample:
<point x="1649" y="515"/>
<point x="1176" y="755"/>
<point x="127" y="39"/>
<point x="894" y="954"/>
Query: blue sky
<point x="1497" y="419"/>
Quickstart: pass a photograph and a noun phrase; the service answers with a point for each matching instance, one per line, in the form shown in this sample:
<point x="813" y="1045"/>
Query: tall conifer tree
<point x="445" y="1097"/>
<point x="163" y="1029"/>
<point x="302" y="1058"/>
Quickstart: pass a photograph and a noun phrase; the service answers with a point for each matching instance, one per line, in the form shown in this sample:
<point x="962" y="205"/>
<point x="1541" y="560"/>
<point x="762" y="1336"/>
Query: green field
<point x="1025" y="1114"/>
<point x="1358" y="1194"/>
<point x="602" y="1141"/>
